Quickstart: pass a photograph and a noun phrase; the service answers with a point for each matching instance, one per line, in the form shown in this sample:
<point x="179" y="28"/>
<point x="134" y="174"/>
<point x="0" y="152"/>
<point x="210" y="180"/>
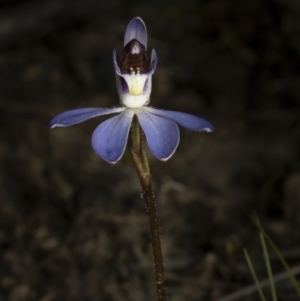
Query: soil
<point x="73" y="227"/>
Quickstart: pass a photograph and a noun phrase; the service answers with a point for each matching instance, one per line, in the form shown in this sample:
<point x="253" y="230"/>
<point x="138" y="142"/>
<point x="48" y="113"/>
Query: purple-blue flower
<point x="134" y="79"/>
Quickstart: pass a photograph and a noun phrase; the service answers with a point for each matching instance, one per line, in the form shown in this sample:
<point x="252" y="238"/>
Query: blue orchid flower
<point x="134" y="79"/>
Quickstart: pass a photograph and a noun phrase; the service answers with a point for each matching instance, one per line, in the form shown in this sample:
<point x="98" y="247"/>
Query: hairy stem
<point x="142" y="167"/>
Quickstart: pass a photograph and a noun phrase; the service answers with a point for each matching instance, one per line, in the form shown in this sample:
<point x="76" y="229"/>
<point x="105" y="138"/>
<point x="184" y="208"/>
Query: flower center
<point x="134" y="58"/>
<point x="134" y="62"/>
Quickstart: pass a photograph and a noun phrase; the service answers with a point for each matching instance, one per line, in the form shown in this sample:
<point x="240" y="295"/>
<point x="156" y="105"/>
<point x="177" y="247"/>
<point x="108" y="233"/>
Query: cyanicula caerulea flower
<point x="134" y="78"/>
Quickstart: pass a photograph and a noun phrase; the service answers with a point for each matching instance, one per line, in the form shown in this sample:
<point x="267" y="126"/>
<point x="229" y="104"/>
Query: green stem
<point x="142" y="167"/>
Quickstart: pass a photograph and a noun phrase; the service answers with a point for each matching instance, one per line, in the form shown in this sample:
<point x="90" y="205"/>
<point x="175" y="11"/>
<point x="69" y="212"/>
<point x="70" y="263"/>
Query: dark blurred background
<point x="73" y="227"/>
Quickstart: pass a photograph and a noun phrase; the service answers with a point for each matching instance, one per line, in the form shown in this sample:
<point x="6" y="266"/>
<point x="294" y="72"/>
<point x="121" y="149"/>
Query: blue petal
<point x="162" y="134"/>
<point x="110" y="137"/>
<point x="116" y="66"/>
<point x="153" y="64"/>
<point x="79" y="115"/>
<point x="187" y="121"/>
<point x="136" y="29"/>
